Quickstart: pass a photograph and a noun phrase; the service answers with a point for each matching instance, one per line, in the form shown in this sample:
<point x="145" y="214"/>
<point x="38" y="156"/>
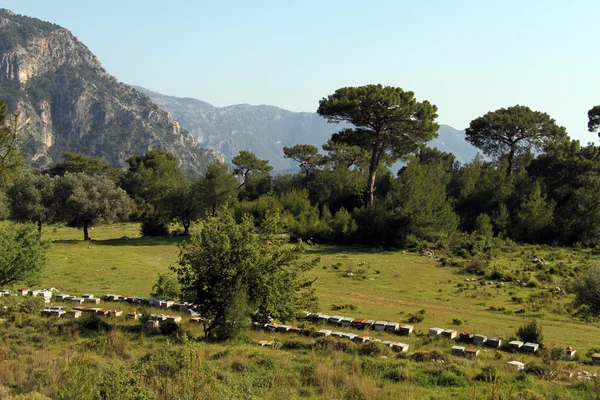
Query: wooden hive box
<point x="282" y="328"/>
<point x="405" y="330"/>
<point x="73" y="314"/>
<point x="531" y="347"/>
<point x="392" y="327"/>
<point x="466" y="337"/>
<point x="479" y="339"/>
<point x="471" y="353"/>
<point x="358" y="323"/>
<point x="494" y="342"/>
<point x="458" y="350"/>
<point x="399" y="347"/>
<point x="515" y="345"/>
<point x="515" y="366"/>
<point x="449" y="334"/>
<point x="379" y="325"/>
<point x="435" y="331"/>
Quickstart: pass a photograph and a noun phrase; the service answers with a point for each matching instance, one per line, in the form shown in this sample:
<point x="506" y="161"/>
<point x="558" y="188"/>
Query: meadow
<point x="351" y="281"/>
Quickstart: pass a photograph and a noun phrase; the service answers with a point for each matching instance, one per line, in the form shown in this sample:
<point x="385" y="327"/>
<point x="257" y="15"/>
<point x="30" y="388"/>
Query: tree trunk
<point x="511" y="156"/>
<point x="85" y="230"/>
<point x="373" y="165"/>
<point x="39" y="226"/>
<point x="186" y="227"/>
<point x="214" y="208"/>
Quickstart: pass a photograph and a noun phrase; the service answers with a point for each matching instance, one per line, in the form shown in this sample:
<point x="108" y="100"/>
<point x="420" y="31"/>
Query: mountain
<point x="68" y="102"/>
<point x="265" y="130"/>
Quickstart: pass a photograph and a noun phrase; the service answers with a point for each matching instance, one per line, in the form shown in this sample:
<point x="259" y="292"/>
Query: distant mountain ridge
<point x="265" y="129"/>
<point x="68" y="102"/>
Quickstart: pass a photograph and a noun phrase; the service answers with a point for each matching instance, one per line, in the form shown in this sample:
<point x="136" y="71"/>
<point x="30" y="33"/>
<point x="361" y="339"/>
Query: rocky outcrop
<point x="68" y="102"/>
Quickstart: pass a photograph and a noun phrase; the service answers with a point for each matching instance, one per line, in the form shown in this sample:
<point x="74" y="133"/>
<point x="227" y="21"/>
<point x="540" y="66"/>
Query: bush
<point x="531" y="332"/>
<point x="169" y="327"/>
<point x="457" y="321"/>
<point x="416" y="318"/>
<point x="329" y="343"/>
<point x="476" y="267"/>
<point x="427" y="356"/>
<point x="166" y="287"/>
<point x="373" y="349"/>
<point x="294" y="344"/>
<point x="587" y="296"/>
<point x="152" y="227"/>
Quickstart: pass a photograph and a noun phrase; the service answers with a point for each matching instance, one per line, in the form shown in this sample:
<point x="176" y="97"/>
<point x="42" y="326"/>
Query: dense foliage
<point x="22" y="255"/>
<point x="231" y="271"/>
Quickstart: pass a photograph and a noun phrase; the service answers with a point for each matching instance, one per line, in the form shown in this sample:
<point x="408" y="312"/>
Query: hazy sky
<point x="467" y="57"/>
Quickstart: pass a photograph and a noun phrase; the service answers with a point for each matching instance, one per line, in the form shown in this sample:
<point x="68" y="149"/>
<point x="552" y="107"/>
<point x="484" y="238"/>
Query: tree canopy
<point x="10" y="156"/>
<point x="389" y="123"/>
<point x="217" y="188"/>
<point x="229" y="270"/>
<point x="31" y="199"/>
<point x="23" y="255"/>
<point x="594" y="119"/>
<point x="75" y="162"/>
<point x="306" y="155"/>
<point x="150" y="181"/>
<point x="511" y="132"/>
<point x="247" y="164"/>
<point x="85" y="200"/>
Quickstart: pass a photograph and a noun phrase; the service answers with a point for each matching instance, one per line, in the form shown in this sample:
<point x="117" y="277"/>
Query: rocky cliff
<point x="68" y="102"/>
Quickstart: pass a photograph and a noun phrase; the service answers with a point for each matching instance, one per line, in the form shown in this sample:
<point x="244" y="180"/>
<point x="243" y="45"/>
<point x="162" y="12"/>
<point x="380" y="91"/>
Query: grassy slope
<point x="394" y="284"/>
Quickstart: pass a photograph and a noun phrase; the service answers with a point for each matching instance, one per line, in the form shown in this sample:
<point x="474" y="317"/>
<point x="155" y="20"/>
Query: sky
<point x="467" y="57"/>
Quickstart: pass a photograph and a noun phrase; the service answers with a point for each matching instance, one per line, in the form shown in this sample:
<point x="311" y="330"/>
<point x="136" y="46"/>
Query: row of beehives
<point x="46" y="294"/>
<point x="396" y="327"/>
<point x="77" y="312"/>
<point x="361" y="323"/>
<point x="153" y="302"/>
<point x="494" y="342"/>
<point x="358" y="339"/>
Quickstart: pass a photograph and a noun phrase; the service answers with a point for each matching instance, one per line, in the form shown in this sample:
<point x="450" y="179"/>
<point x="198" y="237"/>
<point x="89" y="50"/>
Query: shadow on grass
<point x="340" y="249"/>
<point x="144" y="241"/>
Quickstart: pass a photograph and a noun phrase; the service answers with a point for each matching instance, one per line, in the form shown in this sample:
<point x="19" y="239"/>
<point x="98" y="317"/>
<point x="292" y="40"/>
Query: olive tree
<point x="83" y="200"/>
<point x="231" y="271"/>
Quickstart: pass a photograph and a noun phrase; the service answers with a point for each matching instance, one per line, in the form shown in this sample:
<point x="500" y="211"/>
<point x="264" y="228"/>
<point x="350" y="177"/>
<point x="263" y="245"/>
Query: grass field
<point x="388" y="285"/>
<point x="394" y="283"/>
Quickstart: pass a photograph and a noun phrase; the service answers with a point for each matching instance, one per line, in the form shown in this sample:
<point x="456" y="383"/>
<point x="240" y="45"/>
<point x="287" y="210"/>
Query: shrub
<point x="427" y="356"/>
<point x="477" y="266"/>
<point x="329" y="343"/>
<point x="152" y="227"/>
<point x="416" y="318"/>
<point x="294" y="344"/>
<point x="457" y="321"/>
<point x="531" y="332"/>
<point x="166" y="287"/>
<point x="335" y="307"/>
<point x="373" y="349"/>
